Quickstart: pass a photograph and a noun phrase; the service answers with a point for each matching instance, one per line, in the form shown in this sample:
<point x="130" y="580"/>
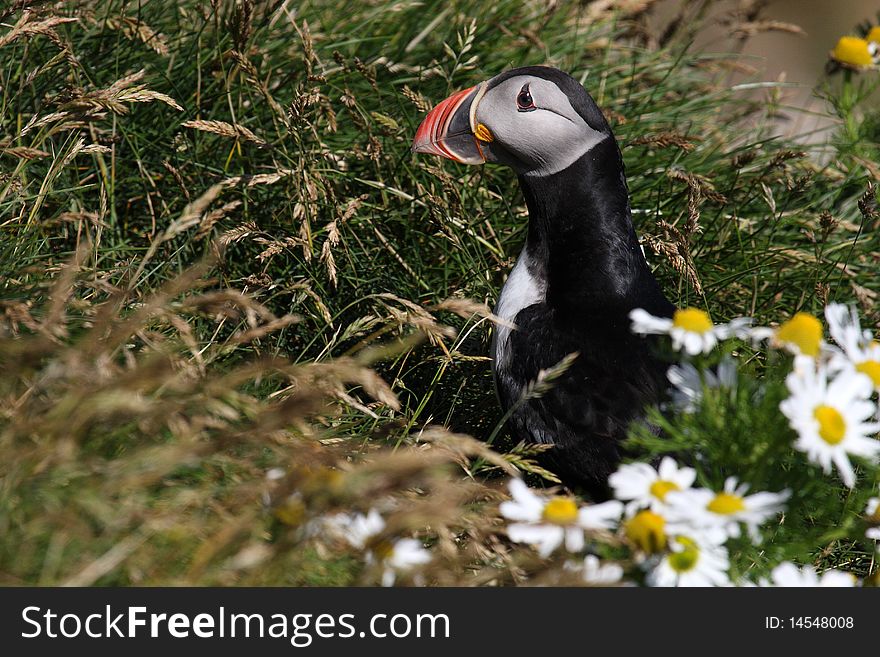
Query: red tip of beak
<point x="432" y="135"/>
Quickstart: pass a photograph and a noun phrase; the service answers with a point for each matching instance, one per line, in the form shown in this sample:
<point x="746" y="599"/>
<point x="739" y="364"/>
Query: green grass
<point x="138" y="423"/>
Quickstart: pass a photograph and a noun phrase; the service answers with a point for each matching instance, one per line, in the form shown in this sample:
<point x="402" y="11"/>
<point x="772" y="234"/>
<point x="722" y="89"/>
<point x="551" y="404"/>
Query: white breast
<point x="520" y="291"/>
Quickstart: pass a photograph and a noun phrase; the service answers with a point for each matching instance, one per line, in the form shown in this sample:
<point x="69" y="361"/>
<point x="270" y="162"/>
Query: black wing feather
<point x="588" y="409"/>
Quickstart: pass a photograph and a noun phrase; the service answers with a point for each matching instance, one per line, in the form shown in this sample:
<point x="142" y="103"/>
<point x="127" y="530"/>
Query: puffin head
<point x="536" y="120"/>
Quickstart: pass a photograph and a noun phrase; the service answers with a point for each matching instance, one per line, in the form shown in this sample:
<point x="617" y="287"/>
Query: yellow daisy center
<point x="804" y="331"/>
<point x="660" y="487"/>
<point x="693" y="320"/>
<point x="382" y="548"/>
<point x="687" y="558"/>
<point x="321" y="481"/>
<point x="646" y="530"/>
<point x="832" y="426"/>
<point x="853" y="51"/>
<point x="292" y="512"/>
<point x="874" y="34"/>
<point x="560" y="511"/>
<point x="872" y="369"/>
<point x="726" y="504"/>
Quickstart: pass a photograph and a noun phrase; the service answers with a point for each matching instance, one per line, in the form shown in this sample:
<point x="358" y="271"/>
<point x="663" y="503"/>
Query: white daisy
<point x="688" y="382"/>
<point x="692" y="561"/>
<point x="872" y="515"/>
<point x="402" y="555"/>
<point x="597" y="573"/>
<point x="691" y="329"/>
<point x="274" y="474"/>
<point x="362" y="532"/>
<point x="707" y="510"/>
<point x="356" y="528"/>
<point x="547" y="523"/>
<point x="801" y="335"/>
<point x="644" y="487"/>
<point x="831" y="418"/>
<point x="860" y="352"/>
<point x="787" y="574"/>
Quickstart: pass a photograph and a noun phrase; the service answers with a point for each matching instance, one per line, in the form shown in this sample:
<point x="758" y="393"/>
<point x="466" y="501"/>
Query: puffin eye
<point x="524" y="102"/>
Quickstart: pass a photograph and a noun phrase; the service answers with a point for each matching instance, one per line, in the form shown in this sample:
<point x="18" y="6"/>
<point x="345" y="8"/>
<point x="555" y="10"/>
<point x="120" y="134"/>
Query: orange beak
<point x="447" y="130"/>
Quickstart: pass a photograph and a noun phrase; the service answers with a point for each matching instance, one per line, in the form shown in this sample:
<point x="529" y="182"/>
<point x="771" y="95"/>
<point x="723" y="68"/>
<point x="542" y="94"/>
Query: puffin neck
<point x="581" y="239"/>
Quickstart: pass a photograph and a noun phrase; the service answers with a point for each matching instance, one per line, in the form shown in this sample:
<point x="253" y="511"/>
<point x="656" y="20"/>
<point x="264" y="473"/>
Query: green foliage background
<point x="307" y="199"/>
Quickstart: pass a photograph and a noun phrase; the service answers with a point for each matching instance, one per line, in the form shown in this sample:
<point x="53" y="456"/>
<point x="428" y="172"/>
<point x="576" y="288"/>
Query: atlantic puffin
<point x="578" y="276"/>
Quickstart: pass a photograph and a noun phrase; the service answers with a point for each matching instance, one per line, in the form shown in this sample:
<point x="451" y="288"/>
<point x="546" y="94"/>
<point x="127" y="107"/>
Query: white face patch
<point x="520" y="291"/>
<point x="545" y="140"/>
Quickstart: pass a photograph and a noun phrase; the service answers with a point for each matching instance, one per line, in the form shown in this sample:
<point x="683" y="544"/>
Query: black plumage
<point x="584" y="249"/>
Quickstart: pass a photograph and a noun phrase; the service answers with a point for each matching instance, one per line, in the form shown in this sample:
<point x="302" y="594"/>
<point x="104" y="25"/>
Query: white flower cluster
<point x="681" y="530"/>
<point x="831" y="406"/>
<point x="677" y="532"/>
<point x="832" y="386"/>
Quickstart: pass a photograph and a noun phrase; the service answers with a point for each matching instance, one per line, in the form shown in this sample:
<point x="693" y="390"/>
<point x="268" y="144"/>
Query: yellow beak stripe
<point x="483" y="133"/>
